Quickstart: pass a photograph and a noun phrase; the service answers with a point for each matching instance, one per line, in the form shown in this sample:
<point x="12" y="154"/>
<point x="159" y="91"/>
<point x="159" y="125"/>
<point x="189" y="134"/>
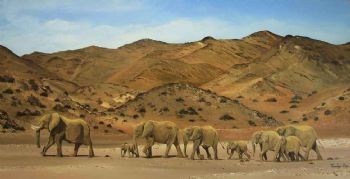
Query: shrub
<point x="327" y="112"/>
<point x="191" y="120"/>
<point x="271" y="100"/>
<point x="314" y="92"/>
<point x="226" y="117"/>
<point x="164" y="109"/>
<point x="284" y="111"/>
<point x="251" y="123"/>
<point x="101" y="122"/>
<point x="341" y="98"/>
<point x="295" y="122"/>
<point x="110" y="109"/>
<point x="8" y="91"/>
<point x="142" y="110"/>
<point x="316" y="118"/>
<point x="135" y="116"/>
<point x="179" y="99"/>
<point x="239" y="97"/>
<point x="305" y="119"/>
<point x="293" y="106"/>
<point x="297" y="98"/>
<point x="59" y="108"/>
<point x="199" y="109"/>
<point x="109" y="125"/>
<point x="82" y="116"/>
<point x="255" y="100"/>
<point x="223" y="100"/>
<point x="95" y="127"/>
<point x="191" y="111"/>
<point x="33" y="85"/>
<point x="323" y="104"/>
<point x="45" y="94"/>
<point x="7" y="79"/>
<point x="34" y="101"/>
<point x="201" y="99"/>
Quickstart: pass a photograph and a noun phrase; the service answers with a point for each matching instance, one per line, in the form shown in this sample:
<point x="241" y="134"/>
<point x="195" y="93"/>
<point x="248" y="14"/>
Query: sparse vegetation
<point x="8" y="91"/>
<point x="251" y="123"/>
<point x="28" y="112"/>
<point x="284" y="111"/>
<point x="33" y="85"/>
<point x="179" y="99"/>
<point x="293" y="106"/>
<point x="34" y="101"/>
<point x="226" y="117"/>
<point x="164" y="109"/>
<point x="327" y="112"/>
<point x="188" y="111"/>
<point x="135" y="116"/>
<point x="271" y="100"/>
<point x="7" y="79"/>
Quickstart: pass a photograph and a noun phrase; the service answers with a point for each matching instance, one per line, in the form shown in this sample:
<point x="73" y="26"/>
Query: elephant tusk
<point x="35" y="127"/>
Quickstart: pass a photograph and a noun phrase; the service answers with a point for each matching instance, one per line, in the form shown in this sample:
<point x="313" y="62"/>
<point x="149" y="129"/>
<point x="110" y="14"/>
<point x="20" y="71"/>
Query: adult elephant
<point x="268" y="141"/>
<point x="306" y="134"/>
<point x="206" y="136"/>
<point x="164" y="132"/>
<point x="61" y="128"/>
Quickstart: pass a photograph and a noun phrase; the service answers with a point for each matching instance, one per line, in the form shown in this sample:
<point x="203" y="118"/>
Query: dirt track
<point x="22" y="160"/>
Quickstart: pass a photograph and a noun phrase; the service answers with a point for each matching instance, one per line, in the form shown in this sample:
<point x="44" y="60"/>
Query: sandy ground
<point x="19" y="158"/>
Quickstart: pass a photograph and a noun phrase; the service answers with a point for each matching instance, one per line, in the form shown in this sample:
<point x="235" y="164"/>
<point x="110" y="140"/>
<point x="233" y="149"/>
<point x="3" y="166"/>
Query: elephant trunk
<point x="37" y="134"/>
<point x="253" y="146"/>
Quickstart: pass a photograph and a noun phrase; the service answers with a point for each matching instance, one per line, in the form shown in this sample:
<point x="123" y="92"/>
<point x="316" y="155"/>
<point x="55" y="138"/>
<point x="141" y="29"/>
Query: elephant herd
<point x="286" y="141"/>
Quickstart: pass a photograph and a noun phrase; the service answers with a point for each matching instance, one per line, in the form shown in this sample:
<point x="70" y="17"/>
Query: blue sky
<point x="55" y="25"/>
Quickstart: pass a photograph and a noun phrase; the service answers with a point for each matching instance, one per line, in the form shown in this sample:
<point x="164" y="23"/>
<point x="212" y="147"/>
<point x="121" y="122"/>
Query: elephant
<point x="164" y="132"/>
<point x="268" y="141"/>
<point x="61" y="128"/>
<point x="306" y="134"/>
<point x="206" y="136"/>
<point x="291" y="146"/>
<point x="240" y="146"/>
<point x="131" y="149"/>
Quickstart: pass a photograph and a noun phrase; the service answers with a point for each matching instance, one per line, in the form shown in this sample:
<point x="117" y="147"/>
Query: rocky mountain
<point x="281" y="78"/>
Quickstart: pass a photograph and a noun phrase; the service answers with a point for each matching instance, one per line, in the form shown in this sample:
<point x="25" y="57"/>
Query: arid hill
<point x="292" y="79"/>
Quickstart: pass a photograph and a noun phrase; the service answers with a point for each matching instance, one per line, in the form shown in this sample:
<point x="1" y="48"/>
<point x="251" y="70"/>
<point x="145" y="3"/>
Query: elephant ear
<point x="289" y="131"/>
<point x="147" y="129"/>
<point x="55" y="120"/>
<point x="197" y="133"/>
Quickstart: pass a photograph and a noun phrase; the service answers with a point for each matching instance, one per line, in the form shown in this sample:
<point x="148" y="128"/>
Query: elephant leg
<point x="231" y="153"/>
<point x="307" y="151"/>
<point x="91" y="150"/>
<point x="196" y="144"/>
<point x="198" y="151"/>
<point x="178" y="149"/>
<point x="59" y="140"/>
<point x="76" y="148"/>
<point x="147" y="149"/>
<point x="48" y="145"/>
<point x="215" y="147"/>
<point x="300" y="156"/>
<point x="247" y="154"/>
<point x="316" y="149"/>
<point x="297" y="156"/>
<point x="208" y="153"/>
<point x="263" y="151"/>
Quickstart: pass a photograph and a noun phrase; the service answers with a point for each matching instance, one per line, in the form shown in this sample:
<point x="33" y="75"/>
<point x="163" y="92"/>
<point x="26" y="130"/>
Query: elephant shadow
<point x="160" y="156"/>
<point x="53" y="155"/>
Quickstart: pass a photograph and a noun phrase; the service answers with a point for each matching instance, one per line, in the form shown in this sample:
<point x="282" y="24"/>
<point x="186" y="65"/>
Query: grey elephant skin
<point x="205" y="136"/>
<point x="307" y="136"/>
<point x="164" y="132"/>
<point x="61" y="129"/>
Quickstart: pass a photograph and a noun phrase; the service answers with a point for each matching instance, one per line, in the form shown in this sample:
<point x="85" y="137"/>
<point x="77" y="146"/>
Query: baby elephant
<point x="240" y="147"/>
<point x="131" y="149"/>
<point x="291" y="148"/>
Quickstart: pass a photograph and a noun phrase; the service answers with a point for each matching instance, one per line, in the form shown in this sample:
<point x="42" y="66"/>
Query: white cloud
<point x="27" y="34"/>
